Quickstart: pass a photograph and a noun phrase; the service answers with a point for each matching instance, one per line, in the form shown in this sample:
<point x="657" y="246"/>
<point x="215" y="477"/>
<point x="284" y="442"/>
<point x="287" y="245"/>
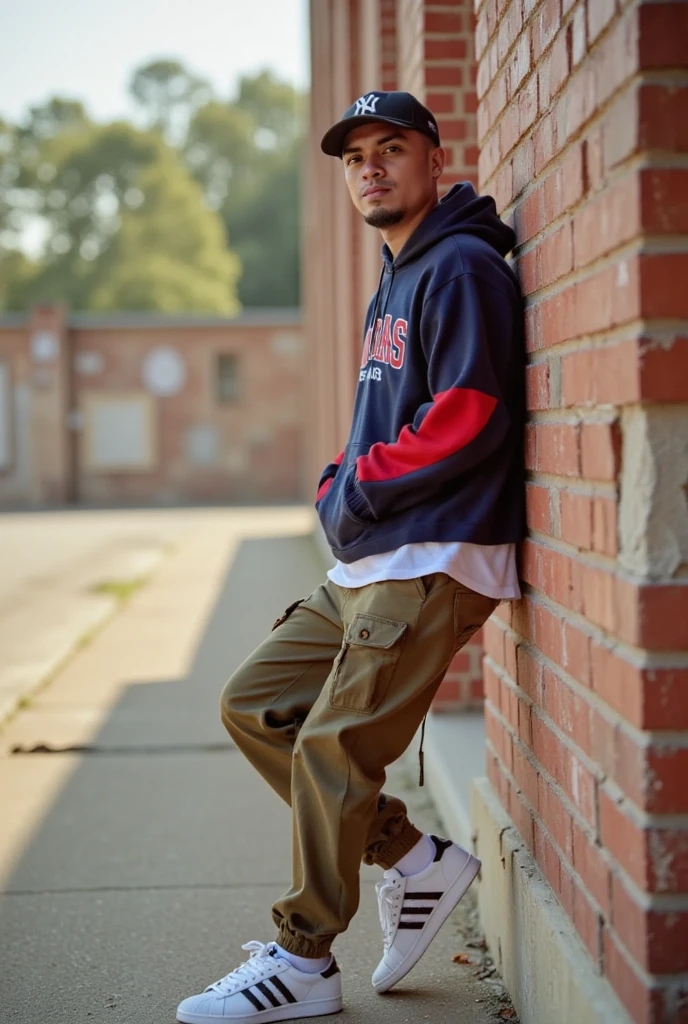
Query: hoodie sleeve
<point x="328" y="475"/>
<point x="463" y="323"/>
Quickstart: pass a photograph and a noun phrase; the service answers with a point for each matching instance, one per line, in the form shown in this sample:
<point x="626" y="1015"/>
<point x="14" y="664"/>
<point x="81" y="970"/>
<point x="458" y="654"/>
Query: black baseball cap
<point x="400" y="108"/>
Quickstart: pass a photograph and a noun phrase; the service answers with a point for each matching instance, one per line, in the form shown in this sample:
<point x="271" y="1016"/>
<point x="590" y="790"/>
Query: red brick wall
<point x="583" y="125"/>
<point x="436" y="61"/>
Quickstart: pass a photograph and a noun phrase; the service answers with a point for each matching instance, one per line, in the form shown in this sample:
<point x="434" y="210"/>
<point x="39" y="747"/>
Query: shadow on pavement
<point x="163" y="851"/>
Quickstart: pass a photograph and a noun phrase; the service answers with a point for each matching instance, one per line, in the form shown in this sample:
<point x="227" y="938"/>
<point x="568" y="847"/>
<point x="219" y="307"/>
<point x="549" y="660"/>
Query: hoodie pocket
<point x="364" y="667"/>
<point x="341" y="527"/>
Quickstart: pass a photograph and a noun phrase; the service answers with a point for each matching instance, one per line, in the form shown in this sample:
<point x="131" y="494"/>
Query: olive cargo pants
<point x="327" y="701"/>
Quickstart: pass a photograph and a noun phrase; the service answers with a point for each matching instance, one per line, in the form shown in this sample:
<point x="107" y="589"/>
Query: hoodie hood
<point x="461" y="211"/>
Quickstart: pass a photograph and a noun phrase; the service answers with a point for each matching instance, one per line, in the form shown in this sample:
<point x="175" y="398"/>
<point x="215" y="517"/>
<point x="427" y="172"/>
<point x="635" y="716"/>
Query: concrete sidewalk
<point x="134" y="868"/>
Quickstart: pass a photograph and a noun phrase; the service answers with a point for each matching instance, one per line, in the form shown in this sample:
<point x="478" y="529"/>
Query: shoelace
<point x="389" y="895"/>
<point x="252" y="970"/>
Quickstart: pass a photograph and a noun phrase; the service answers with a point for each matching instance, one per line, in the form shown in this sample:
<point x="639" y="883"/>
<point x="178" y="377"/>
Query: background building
<point x="150" y="408"/>
<point x="574" y="115"/>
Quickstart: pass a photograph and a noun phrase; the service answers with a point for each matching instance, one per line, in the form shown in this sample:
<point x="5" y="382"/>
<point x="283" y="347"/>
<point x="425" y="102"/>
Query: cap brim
<point x="332" y="141"/>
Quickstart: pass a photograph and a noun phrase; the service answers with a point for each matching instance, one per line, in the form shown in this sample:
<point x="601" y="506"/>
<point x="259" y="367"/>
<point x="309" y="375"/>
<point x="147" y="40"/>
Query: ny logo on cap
<point x="366" y="104"/>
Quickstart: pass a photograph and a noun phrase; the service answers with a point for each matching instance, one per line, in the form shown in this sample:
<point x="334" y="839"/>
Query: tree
<point x="247" y="156"/>
<point x="169" y="253"/>
<point x="168" y="95"/>
<point x="92" y="183"/>
<point x="266" y="232"/>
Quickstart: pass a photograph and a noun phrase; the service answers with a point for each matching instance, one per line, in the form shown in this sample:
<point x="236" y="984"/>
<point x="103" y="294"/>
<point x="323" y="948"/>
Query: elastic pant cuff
<point x="302" y="945"/>
<point x="398" y="846"/>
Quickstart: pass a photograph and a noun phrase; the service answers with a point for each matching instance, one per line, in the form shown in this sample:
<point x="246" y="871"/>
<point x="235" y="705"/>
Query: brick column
<point x="436" y="62"/>
<point x="583" y="123"/>
<point x="51" y="370"/>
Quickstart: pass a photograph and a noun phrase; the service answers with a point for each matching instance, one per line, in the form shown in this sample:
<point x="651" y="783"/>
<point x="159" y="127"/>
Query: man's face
<point x="391" y="172"/>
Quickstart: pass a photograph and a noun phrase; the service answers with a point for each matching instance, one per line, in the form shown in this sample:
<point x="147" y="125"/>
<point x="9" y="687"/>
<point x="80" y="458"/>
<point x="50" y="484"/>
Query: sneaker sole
<point x="445" y="905"/>
<point x="290" y="1011"/>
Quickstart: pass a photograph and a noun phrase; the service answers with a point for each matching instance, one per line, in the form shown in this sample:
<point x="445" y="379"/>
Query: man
<point x="422" y="510"/>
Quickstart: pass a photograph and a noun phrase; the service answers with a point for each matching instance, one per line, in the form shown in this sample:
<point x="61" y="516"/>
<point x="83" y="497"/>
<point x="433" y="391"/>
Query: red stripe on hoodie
<point x="454" y="420"/>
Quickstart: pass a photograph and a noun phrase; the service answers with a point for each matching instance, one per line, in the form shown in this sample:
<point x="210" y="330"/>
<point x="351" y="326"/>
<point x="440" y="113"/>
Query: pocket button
<point x="364" y="634"/>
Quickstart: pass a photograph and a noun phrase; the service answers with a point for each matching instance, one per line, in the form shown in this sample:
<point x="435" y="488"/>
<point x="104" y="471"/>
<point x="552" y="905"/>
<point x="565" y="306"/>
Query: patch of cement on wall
<point x="653" y="511"/>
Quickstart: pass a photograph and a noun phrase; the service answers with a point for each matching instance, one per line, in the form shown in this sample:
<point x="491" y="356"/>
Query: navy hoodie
<point x="435" y="451"/>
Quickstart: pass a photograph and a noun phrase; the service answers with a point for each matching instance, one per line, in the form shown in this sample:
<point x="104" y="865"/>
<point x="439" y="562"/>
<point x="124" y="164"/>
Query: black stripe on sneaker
<point x="267" y="993"/>
<point x="411" y="924"/>
<point x="423" y="896"/>
<point x="253" y="1000"/>
<point x="417" y="910"/>
<point x="440" y="846"/>
<point x="329" y="971"/>
<point x="281" y="987"/>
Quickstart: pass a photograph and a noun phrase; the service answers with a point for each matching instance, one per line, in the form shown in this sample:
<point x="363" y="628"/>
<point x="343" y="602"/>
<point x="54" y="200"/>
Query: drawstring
<point x="376" y="306"/>
<point x="421" y="756"/>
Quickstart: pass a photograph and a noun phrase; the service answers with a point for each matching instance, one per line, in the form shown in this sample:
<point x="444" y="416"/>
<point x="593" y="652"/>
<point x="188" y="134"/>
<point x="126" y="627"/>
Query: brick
<point x="651" y="616"/>
<point x="537" y="386"/>
<point x="604" y="527"/>
<point x="608" y="221"/>
<point x="526" y="777"/>
<point x="451" y="129"/>
<point x="530" y="675"/>
<point x="664" y="775"/>
<point x="600" y="450"/>
<point x="575" y="657"/>
<point x="443" y="21"/>
<point x="589" y="862"/>
<point x="441" y="102"/>
<point x="451" y="74"/>
<point x="662" y="195"/>
<point x="600" y="14"/>
<point x="569" y="711"/>
<point x="555" y="817"/>
<point x="663" y="117"/>
<point x="494" y="641"/>
<point x="662" y="278"/>
<point x="547" y="858"/>
<point x="624" y="839"/>
<point x="641" y="1002"/>
<point x="553" y="448"/>
<point x="657" y="940"/>
<point x="579" y="36"/>
<point x="538" y="508"/>
<point x="587" y="924"/>
<point x="662" y="32"/>
<point x="545" y="26"/>
<point x="519" y="65"/>
<point x="548" y="634"/>
<point x="445" y="49"/>
<point x="522" y="818"/>
<point x="576" y="519"/>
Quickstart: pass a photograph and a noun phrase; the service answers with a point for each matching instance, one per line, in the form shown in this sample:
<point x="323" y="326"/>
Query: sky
<point x="87" y="49"/>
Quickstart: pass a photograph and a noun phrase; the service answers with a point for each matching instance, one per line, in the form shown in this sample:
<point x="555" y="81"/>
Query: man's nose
<point x="371" y="168"/>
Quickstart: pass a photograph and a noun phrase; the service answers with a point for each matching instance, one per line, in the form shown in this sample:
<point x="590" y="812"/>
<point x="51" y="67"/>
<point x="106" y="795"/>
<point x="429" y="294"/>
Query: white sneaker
<point x="414" y="908"/>
<point x="265" y="988"/>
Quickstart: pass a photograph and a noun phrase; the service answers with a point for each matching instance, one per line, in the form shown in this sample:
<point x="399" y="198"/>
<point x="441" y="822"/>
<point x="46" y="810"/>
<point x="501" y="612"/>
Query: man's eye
<point x="351" y="160"/>
<point x="392" y="149"/>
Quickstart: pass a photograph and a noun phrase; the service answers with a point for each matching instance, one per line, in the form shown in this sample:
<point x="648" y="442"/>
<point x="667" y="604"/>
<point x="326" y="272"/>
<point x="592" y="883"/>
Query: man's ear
<point x="439" y="157"/>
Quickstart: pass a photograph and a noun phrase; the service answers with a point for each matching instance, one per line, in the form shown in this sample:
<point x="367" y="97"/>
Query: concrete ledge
<point x="454" y="756"/>
<point x="547" y="972"/>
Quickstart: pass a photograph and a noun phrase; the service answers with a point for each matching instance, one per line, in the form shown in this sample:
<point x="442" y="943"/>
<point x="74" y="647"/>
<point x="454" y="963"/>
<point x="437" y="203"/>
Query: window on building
<point x="228" y="377"/>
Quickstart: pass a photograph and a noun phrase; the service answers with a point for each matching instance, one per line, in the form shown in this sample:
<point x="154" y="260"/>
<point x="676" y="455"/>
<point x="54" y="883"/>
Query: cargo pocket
<point x="363" y="669"/>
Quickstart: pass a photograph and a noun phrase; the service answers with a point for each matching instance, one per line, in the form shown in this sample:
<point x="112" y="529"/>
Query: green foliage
<point x="124" y="218"/>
